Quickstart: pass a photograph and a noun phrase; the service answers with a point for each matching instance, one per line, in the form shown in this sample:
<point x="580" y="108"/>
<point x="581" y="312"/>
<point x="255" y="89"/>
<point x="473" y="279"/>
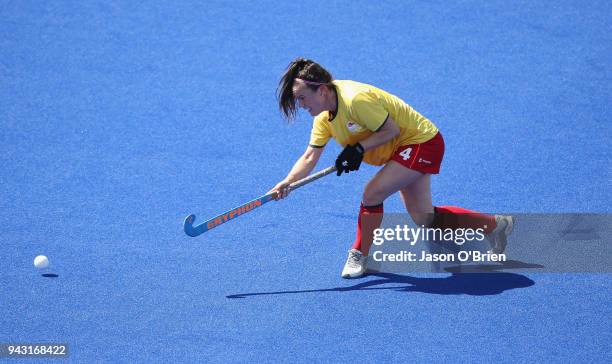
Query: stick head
<point x="188" y="225"/>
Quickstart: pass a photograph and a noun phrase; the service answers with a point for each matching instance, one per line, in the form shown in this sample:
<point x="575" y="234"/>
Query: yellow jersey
<point x="362" y="110"/>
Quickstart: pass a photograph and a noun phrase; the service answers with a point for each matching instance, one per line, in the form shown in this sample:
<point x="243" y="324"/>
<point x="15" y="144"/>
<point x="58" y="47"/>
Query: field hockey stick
<point x="247" y="207"/>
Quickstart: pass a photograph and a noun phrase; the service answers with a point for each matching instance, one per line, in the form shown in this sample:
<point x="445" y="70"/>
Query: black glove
<point x="349" y="159"/>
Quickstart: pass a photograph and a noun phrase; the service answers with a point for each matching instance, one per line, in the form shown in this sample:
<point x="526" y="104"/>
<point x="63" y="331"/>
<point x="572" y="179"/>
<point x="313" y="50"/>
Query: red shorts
<point x="425" y="157"/>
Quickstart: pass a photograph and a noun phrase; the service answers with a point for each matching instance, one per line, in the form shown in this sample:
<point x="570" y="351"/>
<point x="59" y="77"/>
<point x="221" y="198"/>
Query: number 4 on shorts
<point x="406" y="153"/>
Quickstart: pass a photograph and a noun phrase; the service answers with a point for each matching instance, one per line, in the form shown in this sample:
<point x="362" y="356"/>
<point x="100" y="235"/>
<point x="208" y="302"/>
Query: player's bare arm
<point x="302" y="167"/>
<point x="388" y="131"/>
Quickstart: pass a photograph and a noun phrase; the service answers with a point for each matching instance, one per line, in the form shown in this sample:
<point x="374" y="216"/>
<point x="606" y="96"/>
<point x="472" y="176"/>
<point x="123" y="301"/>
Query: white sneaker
<point x="356" y="264"/>
<point x="499" y="237"/>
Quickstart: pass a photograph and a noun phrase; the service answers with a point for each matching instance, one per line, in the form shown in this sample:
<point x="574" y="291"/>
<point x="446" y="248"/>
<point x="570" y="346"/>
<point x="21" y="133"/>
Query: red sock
<point x="370" y="218"/>
<point x="456" y="217"/>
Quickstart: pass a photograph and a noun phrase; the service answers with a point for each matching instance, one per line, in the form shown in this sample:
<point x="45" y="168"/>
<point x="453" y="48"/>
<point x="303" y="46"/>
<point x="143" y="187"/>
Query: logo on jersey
<point x="353" y="127"/>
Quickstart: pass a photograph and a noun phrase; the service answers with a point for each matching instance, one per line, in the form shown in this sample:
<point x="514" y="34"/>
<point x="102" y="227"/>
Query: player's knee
<point x="372" y="196"/>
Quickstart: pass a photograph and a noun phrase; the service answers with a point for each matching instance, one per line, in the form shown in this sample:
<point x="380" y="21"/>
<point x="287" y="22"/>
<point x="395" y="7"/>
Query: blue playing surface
<point x="120" y="118"/>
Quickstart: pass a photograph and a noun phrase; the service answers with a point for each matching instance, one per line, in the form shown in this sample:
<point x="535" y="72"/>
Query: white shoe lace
<point x="354" y="259"/>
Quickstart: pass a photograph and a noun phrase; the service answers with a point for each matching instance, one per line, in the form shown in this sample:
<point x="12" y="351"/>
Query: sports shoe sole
<point x="503" y="237"/>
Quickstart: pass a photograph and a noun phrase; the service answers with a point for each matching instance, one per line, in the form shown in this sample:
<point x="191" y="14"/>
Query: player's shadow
<point x="474" y="284"/>
<point x="480" y="268"/>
